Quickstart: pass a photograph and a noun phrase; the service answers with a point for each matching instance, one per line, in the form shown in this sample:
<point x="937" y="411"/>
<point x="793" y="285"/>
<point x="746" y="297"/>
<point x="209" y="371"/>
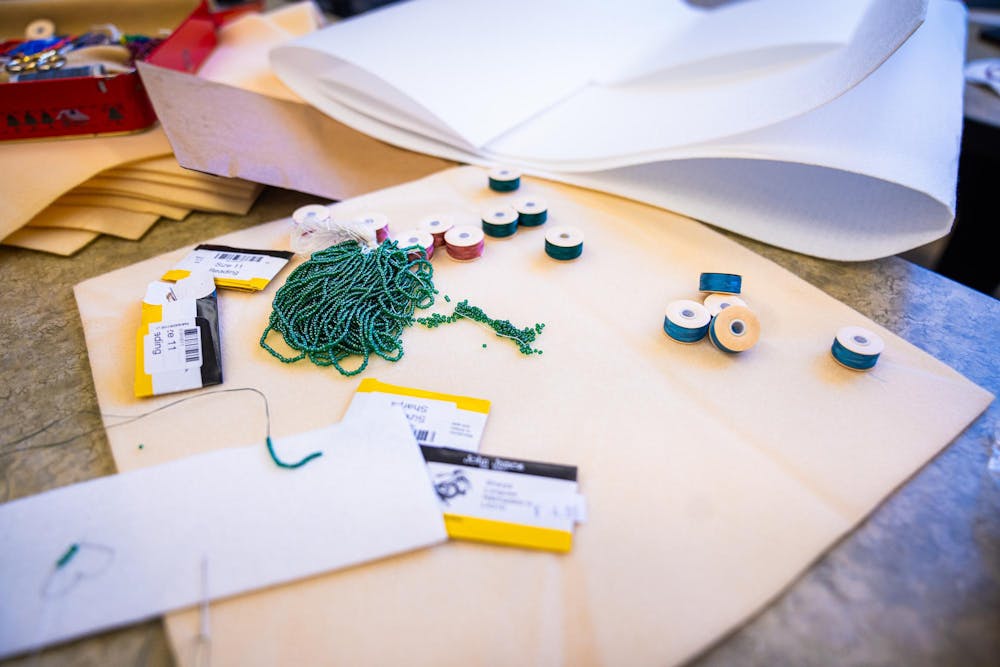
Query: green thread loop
<point x="291" y="466"/>
<point x="348" y="300"/>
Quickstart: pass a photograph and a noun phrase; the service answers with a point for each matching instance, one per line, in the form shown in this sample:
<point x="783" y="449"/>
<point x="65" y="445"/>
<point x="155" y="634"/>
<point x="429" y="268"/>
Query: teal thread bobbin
<point x="735" y="329"/>
<point x="532" y="212"/>
<point x="563" y="243"/>
<point x="686" y="321"/>
<point x="504" y="179"/>
<point x="857" y="348"/>
<point x="500" y="222"/>
<point x="726" y="283"/>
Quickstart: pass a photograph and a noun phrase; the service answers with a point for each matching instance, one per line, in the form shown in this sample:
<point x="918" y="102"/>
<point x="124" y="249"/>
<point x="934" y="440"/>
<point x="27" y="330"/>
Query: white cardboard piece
<point x="143" y="535"/>
<point x="847" y="151"/>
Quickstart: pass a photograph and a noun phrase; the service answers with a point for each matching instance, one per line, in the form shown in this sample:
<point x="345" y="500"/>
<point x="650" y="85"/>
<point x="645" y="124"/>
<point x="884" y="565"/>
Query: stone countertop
<point x="918" y="583"/>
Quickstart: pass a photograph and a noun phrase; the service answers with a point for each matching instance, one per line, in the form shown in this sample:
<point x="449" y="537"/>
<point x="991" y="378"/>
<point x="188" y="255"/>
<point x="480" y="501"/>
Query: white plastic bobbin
<point x="417" y="237"/>
<point x="378" y="223"/>
<point x="436" y="226"/>
<point x="39" y="29"/>
<point x="465" y="242"/>
<point x="311" y="215"/>
<point x="715" y="303"/>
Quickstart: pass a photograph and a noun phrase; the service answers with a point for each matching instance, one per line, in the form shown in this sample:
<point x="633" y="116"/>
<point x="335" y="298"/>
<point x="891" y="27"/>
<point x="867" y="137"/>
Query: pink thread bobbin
<point x="465" y="242"/>
<point x="416" y="237"/>
<point x="378" y="223"/>
<point x="437" y="226"/>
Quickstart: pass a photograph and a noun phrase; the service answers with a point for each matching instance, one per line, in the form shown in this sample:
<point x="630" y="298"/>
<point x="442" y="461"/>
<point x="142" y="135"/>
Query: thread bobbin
<point x="437" y="226"/>
<point x="724" y="283"/>
<point x="686" y="321"/>
<point x="419" y="239"/>
<point x="378" y="223"/>
<point x="857" y="348"/>
<point x="716" y="303"/>
<point x="311" y="215"/>
<point x="563" y="242"/>
<point x="504" y="179"/>
<point x="532" y="212"/>
<point x="464" y="243"/>
<point x="734" y="329"/>
<point x="500" y="222"/>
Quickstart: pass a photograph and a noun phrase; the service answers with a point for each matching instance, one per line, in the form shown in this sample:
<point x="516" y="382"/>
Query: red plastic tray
<point x="105" y="105"/>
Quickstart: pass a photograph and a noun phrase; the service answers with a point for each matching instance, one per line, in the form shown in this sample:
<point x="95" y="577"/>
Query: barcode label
<point x="172" y="346"/>
<point x="238" y="257"/>
<point x="192" y="346"/>
<point x="424" y="436"/>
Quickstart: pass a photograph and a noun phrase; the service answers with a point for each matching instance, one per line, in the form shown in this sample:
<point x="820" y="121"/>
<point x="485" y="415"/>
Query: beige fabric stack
<point x="61" y="195"/>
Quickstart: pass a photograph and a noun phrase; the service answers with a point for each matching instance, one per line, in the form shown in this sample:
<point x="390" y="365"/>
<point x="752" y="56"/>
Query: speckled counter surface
<point x="917" y="584"/>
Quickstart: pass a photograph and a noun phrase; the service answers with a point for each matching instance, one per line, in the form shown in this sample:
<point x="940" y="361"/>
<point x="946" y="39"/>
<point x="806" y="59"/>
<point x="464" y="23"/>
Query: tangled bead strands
<point x="350" y="301"/>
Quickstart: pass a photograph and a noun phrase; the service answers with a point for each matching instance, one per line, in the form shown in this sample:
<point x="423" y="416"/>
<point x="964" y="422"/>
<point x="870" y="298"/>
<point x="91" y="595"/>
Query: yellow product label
<point x="176" y="274"/>
<point x="508" y="534"/>
<point x="462" y="402"/>
<point x="143" y="381"/>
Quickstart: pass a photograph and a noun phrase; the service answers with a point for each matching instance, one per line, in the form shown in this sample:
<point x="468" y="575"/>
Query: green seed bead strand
<point x="502" y="328"/>
<point x="347" y="301"/>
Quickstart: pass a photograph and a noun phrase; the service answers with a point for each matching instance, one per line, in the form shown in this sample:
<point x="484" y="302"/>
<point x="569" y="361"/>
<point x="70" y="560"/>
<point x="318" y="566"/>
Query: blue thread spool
<point x="686" y="321"/>
<point x="532" y="212"/>
<point x="500" y="222"/>
<point x="563" y="243"/>
<point x="725" y="283"/>
<point x="856" y="348"/>
<point x="734" y="329"/>
<point x="504" y="179"/>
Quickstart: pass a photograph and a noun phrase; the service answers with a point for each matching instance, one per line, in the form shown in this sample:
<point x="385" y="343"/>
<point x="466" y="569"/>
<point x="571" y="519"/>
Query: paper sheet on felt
<point x="113" y="221"/>
<point x="712" y="480"/>
<point x="255" y="524"/>
<point x="38" y="172"/>
<point x="456" y="85"/>
<point x="63" y="242"/>
<point x="870" y="174"/>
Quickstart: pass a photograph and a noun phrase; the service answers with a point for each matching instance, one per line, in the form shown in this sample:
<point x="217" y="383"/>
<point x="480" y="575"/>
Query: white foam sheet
<point x="521" y="80"/>
<point x="868" y="174"/>
<point x="144" y="535"/>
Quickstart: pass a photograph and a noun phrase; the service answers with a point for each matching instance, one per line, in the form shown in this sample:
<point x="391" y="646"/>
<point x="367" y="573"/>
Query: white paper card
<point x="172" y="346"/>
<point x="140" y="537"/>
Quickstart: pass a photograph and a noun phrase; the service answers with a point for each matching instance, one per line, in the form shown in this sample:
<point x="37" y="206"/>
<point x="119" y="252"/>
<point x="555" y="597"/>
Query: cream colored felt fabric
<point x="188" y="197"/>
<point x="712" y="480"/>
<point x="116" y="222"/>
<point x="125" y="203"/>
<point x="38" y="172"/>
<point x="56" y="241"/>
